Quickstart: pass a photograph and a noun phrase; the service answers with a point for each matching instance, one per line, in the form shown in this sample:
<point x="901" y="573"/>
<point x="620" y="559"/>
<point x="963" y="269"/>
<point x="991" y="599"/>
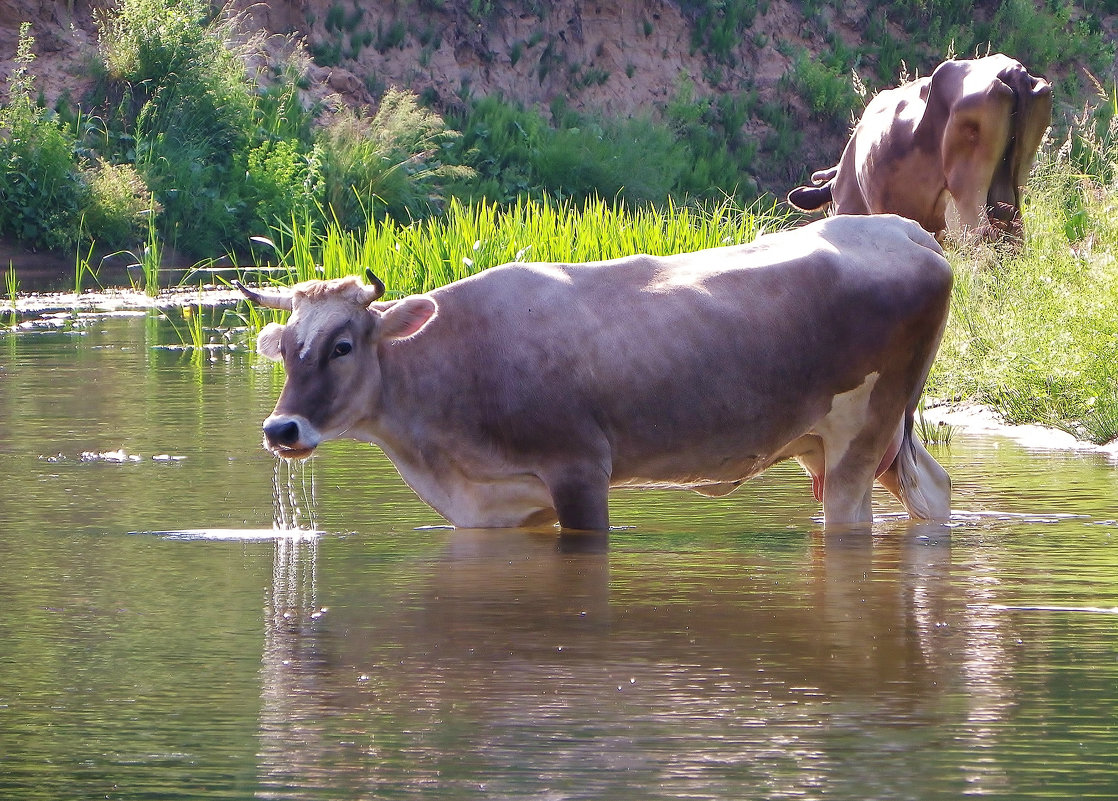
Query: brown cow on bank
<point x="519" y="396"/>
<point x="968" y="133"/>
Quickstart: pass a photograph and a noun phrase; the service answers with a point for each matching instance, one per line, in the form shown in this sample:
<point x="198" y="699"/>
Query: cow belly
<point x="494" y="502"/>
<point x="710" y="476"/>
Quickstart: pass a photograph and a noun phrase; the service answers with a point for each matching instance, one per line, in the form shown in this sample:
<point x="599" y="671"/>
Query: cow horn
<point x="269" y="300"/>
<point x="375" y="285"/>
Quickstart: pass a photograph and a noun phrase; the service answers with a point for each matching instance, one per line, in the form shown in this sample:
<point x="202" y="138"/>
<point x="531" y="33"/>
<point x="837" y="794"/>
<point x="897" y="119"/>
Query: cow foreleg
<point x="581" y="497"/>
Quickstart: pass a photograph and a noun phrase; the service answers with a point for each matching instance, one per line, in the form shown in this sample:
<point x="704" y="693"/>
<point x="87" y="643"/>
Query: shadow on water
<point x="312" y="631"/>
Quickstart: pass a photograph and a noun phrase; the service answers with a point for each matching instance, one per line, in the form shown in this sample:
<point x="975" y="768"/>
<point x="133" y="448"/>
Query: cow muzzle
<point x="290" y="436"/>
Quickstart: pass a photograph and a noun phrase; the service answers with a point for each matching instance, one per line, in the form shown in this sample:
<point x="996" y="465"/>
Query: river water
<point x="183" y="618"/>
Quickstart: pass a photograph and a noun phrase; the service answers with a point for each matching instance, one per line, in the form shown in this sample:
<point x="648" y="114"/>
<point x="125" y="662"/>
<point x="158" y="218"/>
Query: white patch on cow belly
<point x="848" y="416"/>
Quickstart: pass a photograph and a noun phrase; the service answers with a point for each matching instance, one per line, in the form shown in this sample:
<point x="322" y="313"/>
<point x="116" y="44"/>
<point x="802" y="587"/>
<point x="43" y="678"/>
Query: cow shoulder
<point x="896" y="243"/>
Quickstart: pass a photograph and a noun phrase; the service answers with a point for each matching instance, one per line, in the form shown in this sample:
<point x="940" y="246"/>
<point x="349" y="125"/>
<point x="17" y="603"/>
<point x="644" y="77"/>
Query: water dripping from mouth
<point x="294" y="495"/>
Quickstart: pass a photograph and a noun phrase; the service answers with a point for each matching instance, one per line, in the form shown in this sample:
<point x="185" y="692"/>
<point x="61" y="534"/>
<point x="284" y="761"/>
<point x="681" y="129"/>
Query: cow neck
<point x="396" y="384"/>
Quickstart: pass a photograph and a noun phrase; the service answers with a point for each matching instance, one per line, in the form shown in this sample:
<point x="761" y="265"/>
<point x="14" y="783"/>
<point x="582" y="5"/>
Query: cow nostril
<point x="282" y="432"/>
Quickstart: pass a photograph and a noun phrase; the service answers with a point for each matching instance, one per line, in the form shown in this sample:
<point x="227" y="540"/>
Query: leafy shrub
<point x="149" y="40"/>
<point x="696" y="150"/>
<point x="389" y="165"/>
<point x="719" y="25"/>
<point x="827" y="90"/>
<point x="282" y="184"/>
<point x="118" y="205"/>
<point x="41" y="189"/>
<point x="634" y="160"/>
<point x="196" y="109"/>
<point x="718" y="158"/>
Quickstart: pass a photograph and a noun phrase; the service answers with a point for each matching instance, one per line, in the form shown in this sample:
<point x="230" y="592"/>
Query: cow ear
<point x="268" y="341"/>
<point x="407" y="317"/>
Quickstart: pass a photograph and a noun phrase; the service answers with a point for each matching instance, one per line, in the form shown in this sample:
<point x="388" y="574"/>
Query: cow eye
<point x="341" y="349"/>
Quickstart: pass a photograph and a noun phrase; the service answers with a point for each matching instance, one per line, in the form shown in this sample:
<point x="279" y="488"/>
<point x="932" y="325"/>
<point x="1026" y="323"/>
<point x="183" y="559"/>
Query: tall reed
<point x="11" y="287"/>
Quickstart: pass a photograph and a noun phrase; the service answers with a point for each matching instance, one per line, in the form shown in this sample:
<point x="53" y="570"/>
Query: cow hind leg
<point x="847" y="491"/>
<point x="918" y="481"/>
<point x="854" y="444"/>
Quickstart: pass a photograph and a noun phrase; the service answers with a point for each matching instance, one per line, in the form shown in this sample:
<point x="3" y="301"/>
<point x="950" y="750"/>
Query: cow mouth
<point x="285" y="452"/>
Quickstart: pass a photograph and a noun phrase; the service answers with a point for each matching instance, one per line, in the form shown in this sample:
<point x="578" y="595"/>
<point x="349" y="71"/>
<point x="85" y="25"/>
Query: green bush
<point x="41" y="188"/>
<point x="118" y="204"/>
<point x="389" y="165"/>
<point x="827" y="90"/>
<point x="718" y="158"/>
<point x="696" y="151"/>
<point x="719" y="26"/>
<point x="196" y="110"/>
<point x="282" y="185"/>
<point x="635" y="160"/>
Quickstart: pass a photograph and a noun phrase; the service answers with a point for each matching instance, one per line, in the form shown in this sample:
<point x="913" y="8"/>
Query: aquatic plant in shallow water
<point x="11" y="287"/>
<point x="940" y="433"/>
<point x="82" y="268"/>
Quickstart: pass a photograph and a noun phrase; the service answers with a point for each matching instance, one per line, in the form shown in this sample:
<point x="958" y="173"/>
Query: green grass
<point x="1035" y="334"/>
<point x="467" y="239"/>
<point x="11" y="288"/>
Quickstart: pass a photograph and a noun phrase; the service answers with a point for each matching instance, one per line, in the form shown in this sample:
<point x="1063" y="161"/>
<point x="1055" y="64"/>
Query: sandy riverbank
<point x="975" y="418"/>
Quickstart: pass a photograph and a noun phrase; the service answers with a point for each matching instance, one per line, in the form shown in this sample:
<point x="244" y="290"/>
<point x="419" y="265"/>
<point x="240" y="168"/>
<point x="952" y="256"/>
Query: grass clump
<point x="388" y="166"/>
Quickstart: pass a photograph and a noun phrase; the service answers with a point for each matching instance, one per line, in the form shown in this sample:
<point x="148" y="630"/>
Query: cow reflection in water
<point x="519" y="396"/>
<point x="504" y="661"/>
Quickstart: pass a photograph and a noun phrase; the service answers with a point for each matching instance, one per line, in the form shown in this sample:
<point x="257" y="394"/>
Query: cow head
<point x="329" y="348"/>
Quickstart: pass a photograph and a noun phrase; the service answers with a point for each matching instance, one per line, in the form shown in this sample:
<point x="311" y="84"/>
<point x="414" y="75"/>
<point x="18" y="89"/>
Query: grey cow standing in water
<point x="519" y="396"/>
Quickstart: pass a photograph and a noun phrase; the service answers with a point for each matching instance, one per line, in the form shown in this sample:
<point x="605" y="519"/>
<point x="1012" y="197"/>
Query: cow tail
<point x="811" y="198"/>
<point x="922" y="484"/>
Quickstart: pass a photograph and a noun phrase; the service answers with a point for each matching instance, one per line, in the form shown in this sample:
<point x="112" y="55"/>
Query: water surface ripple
<point x="183" y="619"/>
